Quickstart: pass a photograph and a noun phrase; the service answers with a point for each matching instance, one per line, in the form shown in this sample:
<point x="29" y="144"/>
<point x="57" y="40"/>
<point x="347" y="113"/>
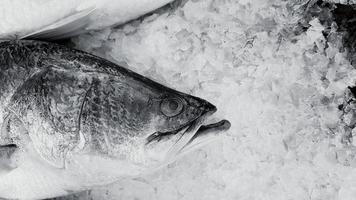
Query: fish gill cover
<point x="275" y="69"/>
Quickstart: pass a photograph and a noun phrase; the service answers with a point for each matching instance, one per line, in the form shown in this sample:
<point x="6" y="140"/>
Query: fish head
<point x="173" y="112"/>
<point x="156" y="124"/>
<point x="177" y="126"/>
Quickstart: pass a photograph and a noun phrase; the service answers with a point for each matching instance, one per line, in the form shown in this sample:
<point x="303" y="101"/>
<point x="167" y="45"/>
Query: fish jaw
<point x="188" y="134"/>
<point x="205" y="135"/>
<point x="187" y="138"/>
<point x="197" y="135"/>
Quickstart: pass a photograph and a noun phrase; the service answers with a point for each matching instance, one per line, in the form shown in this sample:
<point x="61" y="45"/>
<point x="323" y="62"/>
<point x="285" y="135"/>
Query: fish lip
<point x="201" y="129"/>
<point x="219" y="126"/>
<point x="191" y="133"/>
<point x="192" y="130"/>
<point x="207" y="110"/>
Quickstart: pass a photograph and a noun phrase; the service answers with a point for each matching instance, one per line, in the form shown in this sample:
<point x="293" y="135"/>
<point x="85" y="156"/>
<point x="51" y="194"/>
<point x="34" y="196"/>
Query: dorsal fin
<point x="69" y="26"/>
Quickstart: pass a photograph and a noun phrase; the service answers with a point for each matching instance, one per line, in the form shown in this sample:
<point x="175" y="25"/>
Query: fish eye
<point x="171" y="107"/>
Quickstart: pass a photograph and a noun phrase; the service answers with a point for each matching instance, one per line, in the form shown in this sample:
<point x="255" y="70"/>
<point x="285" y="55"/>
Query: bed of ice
<point x="279" y="90"/>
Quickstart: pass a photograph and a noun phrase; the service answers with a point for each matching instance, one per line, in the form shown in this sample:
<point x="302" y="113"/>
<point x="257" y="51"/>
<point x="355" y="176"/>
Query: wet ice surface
<point x="280" y="91"/>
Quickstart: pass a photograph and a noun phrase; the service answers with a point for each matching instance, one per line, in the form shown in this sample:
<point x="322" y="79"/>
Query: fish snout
<point x="208" y="108"/>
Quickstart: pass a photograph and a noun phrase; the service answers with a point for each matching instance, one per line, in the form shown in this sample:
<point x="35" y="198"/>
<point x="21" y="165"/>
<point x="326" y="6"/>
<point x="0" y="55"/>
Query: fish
<point x="54" y="20"/>
<point x="71" y="121"/>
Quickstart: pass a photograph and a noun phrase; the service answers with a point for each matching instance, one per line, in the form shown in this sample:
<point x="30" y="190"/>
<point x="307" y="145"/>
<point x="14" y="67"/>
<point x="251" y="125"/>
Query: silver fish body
<point x="86" y="120"/>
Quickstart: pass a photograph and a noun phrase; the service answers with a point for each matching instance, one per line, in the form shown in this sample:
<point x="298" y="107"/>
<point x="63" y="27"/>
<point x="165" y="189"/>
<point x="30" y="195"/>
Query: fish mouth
<point x="195" y="135"/>
<point x="192" y="135"/>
